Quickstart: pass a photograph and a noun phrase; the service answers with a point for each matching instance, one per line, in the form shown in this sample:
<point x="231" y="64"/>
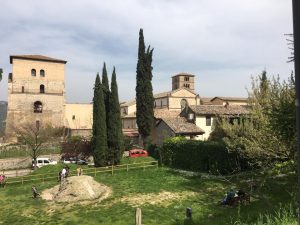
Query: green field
<point x="162" y="194"/>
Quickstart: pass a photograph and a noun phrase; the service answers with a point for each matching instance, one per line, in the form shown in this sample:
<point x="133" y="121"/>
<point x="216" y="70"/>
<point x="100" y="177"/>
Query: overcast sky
<point x="222" y="42"/>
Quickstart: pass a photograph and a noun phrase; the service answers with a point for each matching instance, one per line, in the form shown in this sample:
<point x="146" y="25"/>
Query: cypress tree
<point x="144" y="94"/>
<point x="105" y="87"/>
<point x="114" y="126"/>
<point x="99" y="138"/>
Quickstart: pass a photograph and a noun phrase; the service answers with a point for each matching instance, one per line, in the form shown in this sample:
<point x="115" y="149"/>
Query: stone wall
<point x="20" y="163"/>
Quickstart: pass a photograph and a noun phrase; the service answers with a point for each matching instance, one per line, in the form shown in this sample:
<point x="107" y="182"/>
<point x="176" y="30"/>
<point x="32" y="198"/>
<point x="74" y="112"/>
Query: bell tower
<point x="36" y="92"/>
<point x="183" y="80"/>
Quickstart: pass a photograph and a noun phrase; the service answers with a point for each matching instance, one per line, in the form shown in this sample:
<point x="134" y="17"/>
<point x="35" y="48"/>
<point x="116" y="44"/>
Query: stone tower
<point x="183" y="80"/>
<point x="36" y="92"/>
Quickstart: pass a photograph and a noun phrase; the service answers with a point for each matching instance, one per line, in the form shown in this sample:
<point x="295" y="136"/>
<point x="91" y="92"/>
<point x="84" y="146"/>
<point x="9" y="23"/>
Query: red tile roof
<point x="37" y="58"/>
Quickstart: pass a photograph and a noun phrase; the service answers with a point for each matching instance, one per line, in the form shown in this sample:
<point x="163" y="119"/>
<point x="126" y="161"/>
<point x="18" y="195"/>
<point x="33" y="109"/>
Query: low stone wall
<point x="25" y="162"/>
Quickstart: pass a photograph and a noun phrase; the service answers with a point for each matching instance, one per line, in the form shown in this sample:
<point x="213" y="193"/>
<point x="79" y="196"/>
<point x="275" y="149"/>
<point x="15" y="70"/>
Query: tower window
<point x="37" y="124"/>
<point x="186" y="78"/>
<point x="42" y="73"/>
<point x="73" y="117"/>
<point x="22" y="89"/>
<point x="37" y="107"/>
<point x="33" y="72"/>
<point x="42" y="88"/>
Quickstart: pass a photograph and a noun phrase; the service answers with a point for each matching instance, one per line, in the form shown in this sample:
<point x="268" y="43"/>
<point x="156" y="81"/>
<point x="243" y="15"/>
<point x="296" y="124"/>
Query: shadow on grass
<point x="269" y="195"/>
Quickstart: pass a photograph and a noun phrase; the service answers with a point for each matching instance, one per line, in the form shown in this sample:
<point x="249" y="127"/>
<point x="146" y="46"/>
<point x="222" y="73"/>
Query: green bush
<point x="201" y="156"/>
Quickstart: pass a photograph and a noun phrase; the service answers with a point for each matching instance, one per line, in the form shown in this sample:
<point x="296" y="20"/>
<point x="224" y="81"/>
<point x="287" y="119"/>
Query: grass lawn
<point x="147" y="189"/>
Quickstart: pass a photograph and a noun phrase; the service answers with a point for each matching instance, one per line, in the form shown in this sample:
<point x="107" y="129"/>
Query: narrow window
<point x="42" y="88"/>
<point x="42" y="73"/>
<point x="33" y="72"/>
<point x="161" y="103"/>
<point x="208" y="120"/>
<point x="37" y="107"/>
<point x="37" y="124"/>
<point x="10" y="77"/>
<point x="22" y="89"/>
<point x="73" y="117"/>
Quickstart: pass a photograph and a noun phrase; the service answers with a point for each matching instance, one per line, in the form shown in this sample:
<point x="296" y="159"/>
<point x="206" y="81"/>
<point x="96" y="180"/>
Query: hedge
<point x="201" y="156"/>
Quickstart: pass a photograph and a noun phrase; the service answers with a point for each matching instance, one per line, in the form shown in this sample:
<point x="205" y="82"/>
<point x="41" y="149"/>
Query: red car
<point x="138" y="153"/>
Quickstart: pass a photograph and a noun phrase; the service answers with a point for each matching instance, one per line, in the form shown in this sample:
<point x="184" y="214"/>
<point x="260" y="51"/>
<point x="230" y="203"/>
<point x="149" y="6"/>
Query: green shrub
<point x="202" y="156"/>
<point x="283" y="216"/>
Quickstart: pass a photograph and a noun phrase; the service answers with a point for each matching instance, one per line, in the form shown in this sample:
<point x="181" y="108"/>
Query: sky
<point x="222" y="42"/>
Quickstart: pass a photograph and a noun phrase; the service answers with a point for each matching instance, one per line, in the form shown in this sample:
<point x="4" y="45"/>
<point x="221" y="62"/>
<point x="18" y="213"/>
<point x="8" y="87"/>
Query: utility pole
<point x="296" y="25"/>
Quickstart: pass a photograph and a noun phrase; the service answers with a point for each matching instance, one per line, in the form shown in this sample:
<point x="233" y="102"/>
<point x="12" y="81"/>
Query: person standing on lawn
<point x="35" y="193"/>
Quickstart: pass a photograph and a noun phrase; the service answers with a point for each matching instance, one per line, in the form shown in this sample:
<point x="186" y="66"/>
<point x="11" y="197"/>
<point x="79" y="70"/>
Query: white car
<point x="43" y="162"/>
<point x="73" y="160"/>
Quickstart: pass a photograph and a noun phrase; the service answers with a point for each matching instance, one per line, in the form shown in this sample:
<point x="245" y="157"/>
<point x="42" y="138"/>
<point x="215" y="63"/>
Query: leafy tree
<point x="269" y="132"/>
<point x="144" y="91"/>
<point x="99" y="136"/>
<point x="77" y="147"/>
<point x="114" y="125"/>
<point x="35" y="136"/>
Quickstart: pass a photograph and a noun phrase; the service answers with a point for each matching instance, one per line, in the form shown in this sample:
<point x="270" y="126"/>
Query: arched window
<point x="22" y="89"/>
<point x="33" y="72"/>
<point x="183" y="103"/>
<point x="42" y="88"/>
<point x="37" y="107"/>
<point x="42" y="73"/>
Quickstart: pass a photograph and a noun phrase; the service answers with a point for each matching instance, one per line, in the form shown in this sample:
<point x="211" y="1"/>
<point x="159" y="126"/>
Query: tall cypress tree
<point x="114" y="126"/>
<point x="105" y="86"/>
<point x="99" y="138"/>
<point x="144" y="94"/>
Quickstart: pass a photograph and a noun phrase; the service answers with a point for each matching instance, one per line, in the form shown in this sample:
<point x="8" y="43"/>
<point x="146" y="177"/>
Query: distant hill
<point x="3" y="112"/>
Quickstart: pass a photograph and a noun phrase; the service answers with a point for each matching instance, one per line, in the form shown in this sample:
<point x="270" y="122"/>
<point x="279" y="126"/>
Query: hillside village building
<point x="36" y="94"/>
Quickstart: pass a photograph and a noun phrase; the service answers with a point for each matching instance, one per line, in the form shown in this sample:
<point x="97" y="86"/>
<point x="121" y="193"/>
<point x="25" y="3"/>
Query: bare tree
<point x="35" y="136"/>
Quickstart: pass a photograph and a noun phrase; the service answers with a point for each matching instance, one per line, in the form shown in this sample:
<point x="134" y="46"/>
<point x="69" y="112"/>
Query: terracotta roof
<point x="37" y="58"/>
<point x="128" y="103"/>
<point x="220" y="109"/>
<point x="168" y="93"/>
<point x="183" y="74"/>
<point x="159" y="95"/>
<point x="163" y="113"/>
<point x="206" y="100"/>
<point x="231" y="98"/>
<point x="130" y="132"/>
<point x="180" y="126"/>
<point x="131" y="115"/>
<point x="162" y="94"/>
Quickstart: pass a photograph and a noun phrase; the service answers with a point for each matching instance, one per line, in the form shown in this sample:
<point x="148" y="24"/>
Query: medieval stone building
<point x="36" y="95"/>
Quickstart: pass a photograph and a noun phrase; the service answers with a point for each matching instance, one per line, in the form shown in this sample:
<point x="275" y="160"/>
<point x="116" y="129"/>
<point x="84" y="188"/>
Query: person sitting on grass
<point x="229" y="197"/>
<point x="35" y="193"/>
<point x="2" y="180"/>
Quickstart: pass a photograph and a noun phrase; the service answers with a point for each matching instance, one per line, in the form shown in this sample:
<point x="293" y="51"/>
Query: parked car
<point x="43" y="162"/>
<point x="68" y="160"/>
<point x="138" y="153"/>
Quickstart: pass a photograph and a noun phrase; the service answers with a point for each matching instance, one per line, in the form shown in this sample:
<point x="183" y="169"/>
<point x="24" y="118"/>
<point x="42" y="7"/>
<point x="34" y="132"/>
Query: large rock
<point x="77" y="189"/>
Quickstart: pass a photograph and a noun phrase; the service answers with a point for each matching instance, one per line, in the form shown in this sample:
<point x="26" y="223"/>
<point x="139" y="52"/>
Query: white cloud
<point x="222" y="42"/>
